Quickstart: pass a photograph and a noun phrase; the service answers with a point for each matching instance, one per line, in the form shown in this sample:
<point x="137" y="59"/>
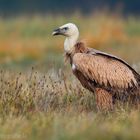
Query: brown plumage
<point x="109" y="77"/>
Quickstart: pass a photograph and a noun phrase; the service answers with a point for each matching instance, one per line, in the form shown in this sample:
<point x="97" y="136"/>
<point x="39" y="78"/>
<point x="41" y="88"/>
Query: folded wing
<point x="105" y="70"/>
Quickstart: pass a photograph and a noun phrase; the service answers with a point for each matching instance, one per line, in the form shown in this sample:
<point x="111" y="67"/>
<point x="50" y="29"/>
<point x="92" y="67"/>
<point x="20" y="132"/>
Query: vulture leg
<point x="104" y="100"/>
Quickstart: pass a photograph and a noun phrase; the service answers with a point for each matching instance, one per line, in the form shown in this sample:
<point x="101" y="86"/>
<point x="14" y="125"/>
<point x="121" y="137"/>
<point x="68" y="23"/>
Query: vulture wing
<point x="106" y="70"/>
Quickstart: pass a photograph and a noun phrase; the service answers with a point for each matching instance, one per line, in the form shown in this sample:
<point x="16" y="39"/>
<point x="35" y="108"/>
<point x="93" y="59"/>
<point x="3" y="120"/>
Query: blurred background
<point x="26" y="27"/>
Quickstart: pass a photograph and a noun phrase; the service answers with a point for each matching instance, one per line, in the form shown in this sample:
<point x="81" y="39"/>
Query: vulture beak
<point x="57" y="32"/>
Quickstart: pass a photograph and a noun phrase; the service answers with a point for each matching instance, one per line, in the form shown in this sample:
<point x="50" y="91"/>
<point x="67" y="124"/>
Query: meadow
<point x="39" y="96"/>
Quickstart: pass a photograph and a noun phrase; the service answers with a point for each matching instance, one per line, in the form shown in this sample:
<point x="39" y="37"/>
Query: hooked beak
<point x="57" y="32"/>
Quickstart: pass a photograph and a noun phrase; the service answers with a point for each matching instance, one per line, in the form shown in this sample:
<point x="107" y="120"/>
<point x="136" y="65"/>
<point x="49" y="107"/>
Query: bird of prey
<point x="110" y="78"/>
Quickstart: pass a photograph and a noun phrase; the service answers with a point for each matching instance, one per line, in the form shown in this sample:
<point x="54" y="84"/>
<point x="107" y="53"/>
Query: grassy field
<point x="39" y="97"/>
<point x="54" y="106"/>
<point x="25" y="41"/>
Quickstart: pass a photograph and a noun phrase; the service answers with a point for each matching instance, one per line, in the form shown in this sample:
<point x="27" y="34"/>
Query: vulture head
<point x="71" y="32"/>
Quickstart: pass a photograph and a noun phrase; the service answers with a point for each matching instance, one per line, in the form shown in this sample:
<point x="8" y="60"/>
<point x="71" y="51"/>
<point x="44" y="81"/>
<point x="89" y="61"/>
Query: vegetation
<point x="53" y="105"/>
<point x="45" y="101"/>
<point x="25" y="39"/>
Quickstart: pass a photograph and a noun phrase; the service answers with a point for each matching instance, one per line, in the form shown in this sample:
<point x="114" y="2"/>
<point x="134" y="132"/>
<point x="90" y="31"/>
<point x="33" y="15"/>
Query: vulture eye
<point x="66" y="28"/>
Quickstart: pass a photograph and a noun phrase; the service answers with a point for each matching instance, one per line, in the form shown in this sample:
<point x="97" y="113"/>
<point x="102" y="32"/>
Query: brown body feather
<point x="109" y="77"/>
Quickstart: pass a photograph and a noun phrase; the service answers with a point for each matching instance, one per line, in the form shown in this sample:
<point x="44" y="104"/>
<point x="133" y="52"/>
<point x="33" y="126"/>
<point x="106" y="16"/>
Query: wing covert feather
<point x="105" y="70"/>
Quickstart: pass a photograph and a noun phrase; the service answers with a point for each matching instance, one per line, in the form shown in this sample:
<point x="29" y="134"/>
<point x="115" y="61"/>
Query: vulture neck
<point x="79" y="47"/>
<point x="70" y="43"/>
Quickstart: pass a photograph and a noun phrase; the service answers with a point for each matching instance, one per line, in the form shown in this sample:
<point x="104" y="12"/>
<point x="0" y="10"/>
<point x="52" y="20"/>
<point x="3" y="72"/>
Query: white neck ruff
<point x="70" y="42"/>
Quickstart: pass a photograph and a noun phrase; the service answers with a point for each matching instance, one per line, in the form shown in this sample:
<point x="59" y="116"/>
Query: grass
<point x="46" y="101"/>
<point x="30" y="37"/>
<point x="53" y="105"/>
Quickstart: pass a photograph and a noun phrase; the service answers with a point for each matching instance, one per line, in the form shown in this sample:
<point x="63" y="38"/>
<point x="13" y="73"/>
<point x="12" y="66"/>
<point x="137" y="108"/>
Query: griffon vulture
<point x="109" y="77"/>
